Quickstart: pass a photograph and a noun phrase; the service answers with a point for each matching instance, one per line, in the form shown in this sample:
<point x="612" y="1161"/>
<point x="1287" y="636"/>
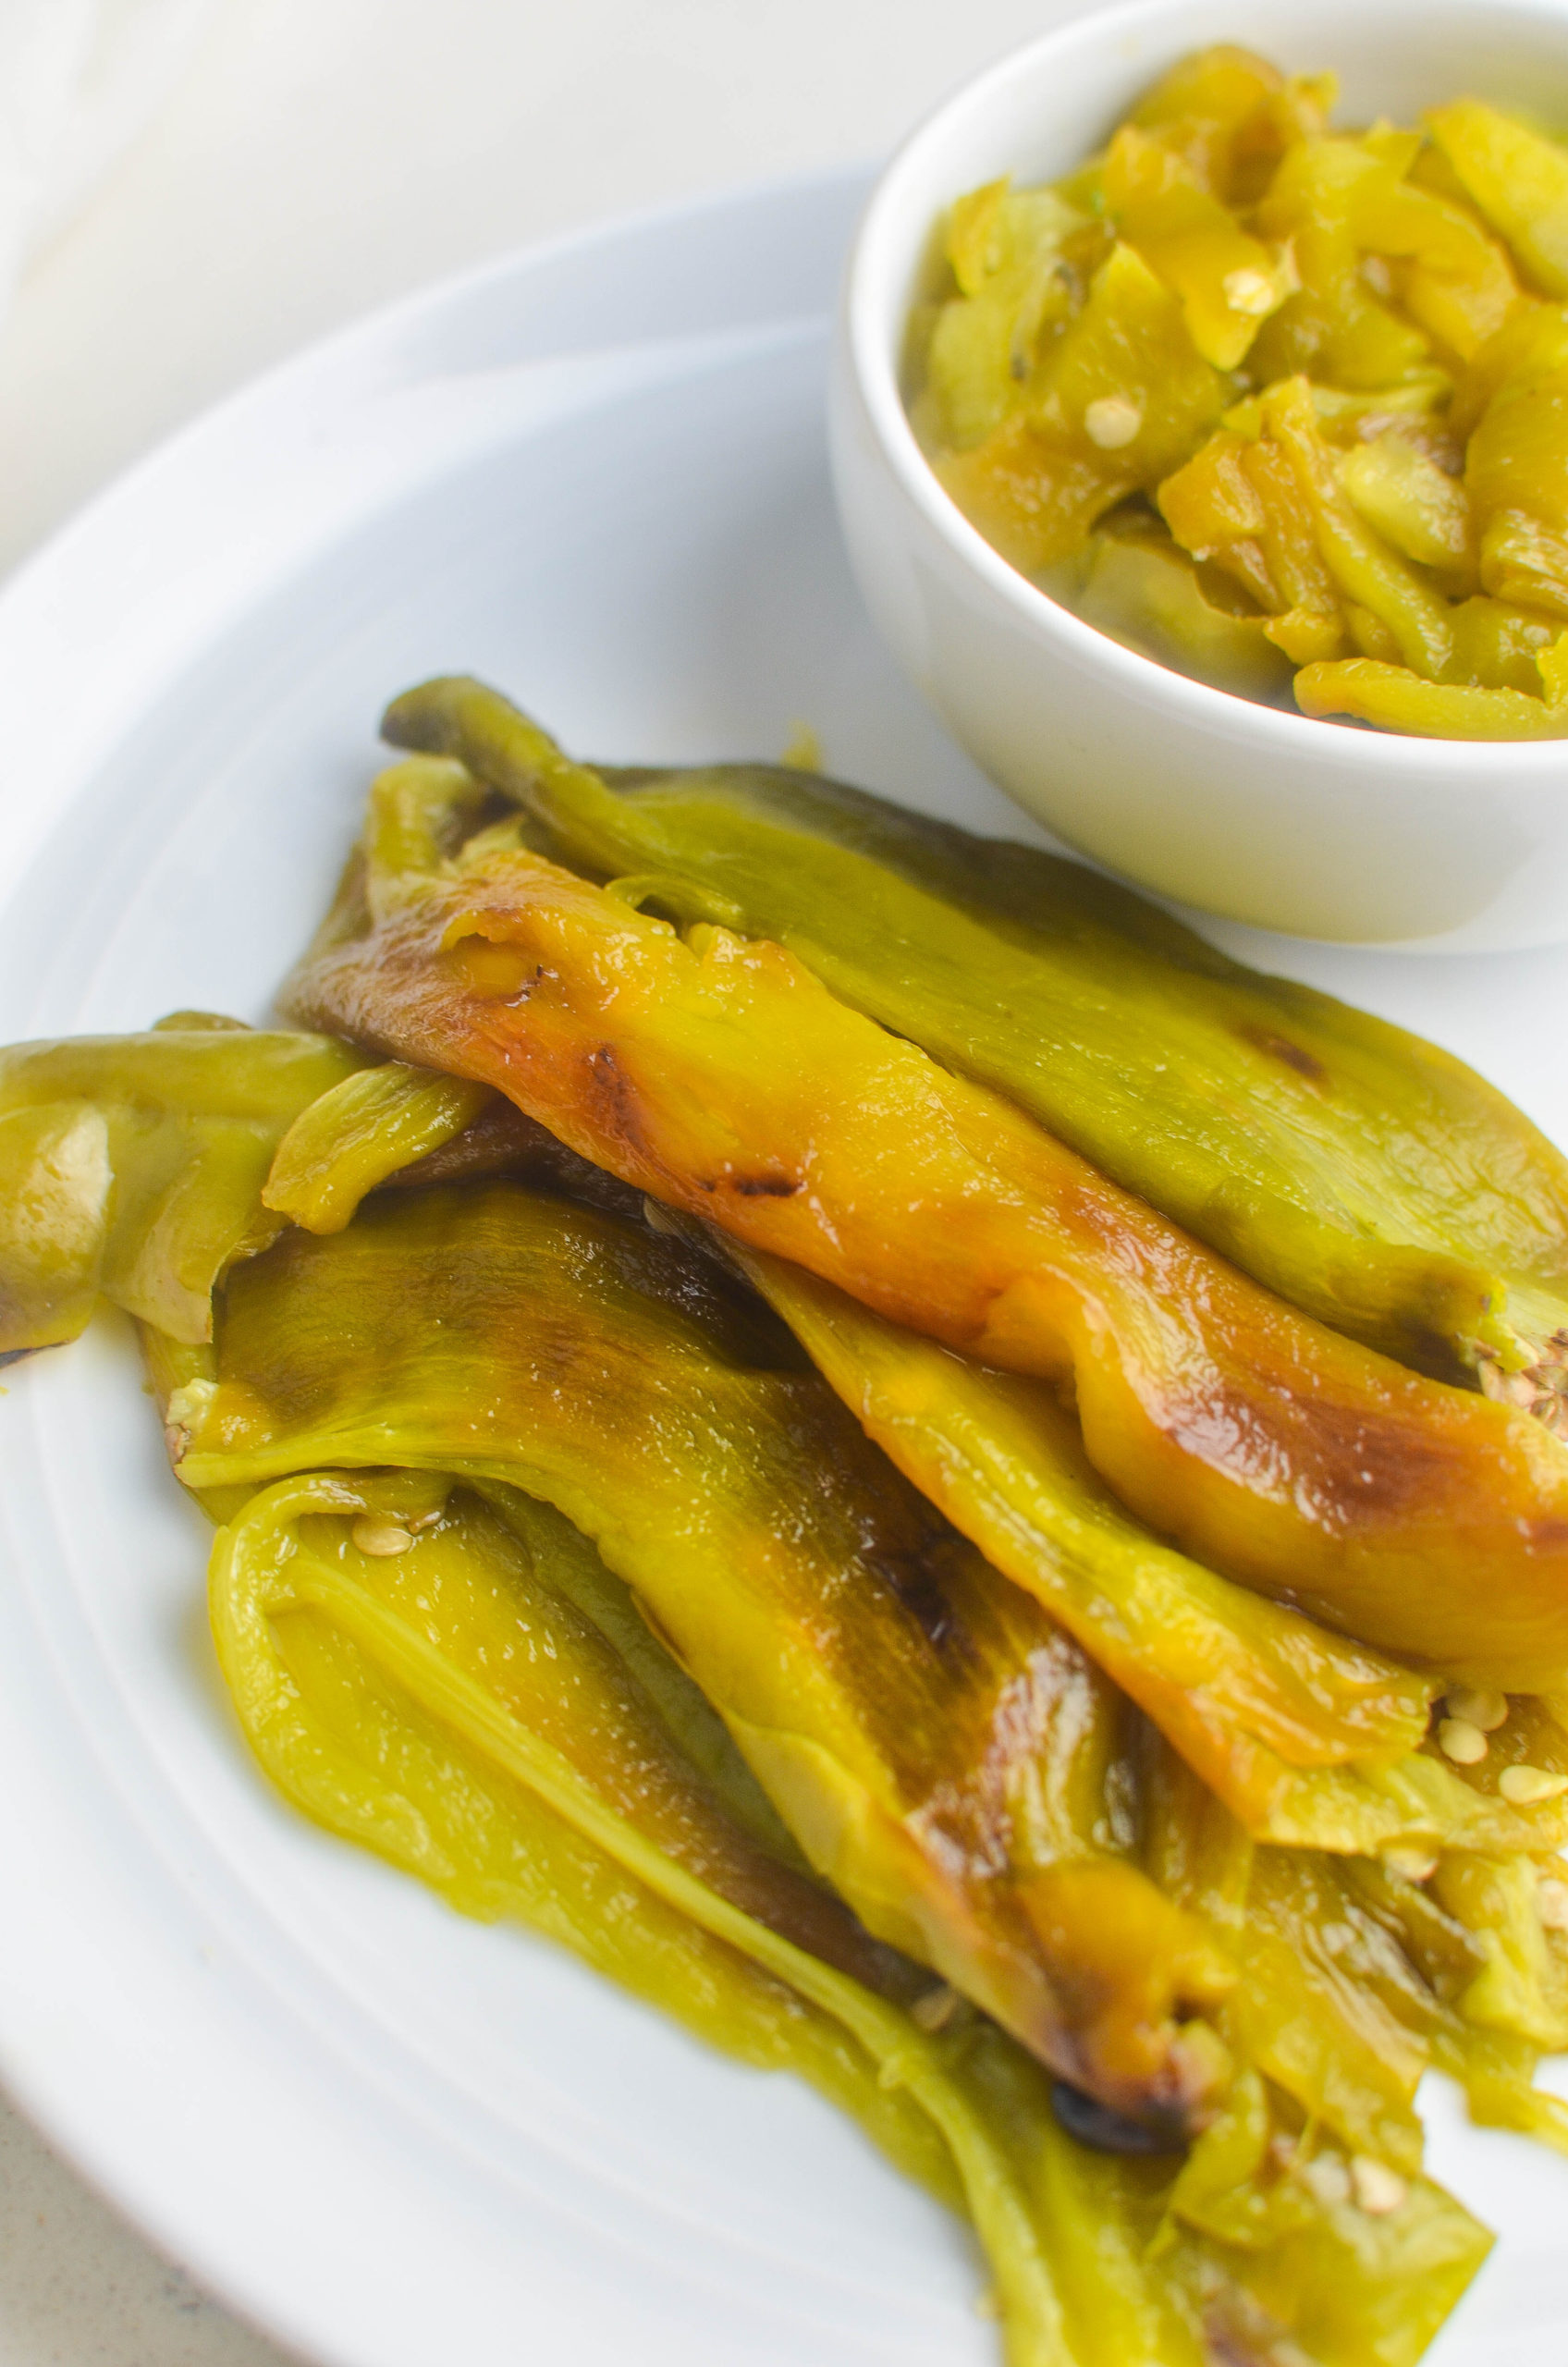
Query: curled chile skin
<point x="718" y="1075"/>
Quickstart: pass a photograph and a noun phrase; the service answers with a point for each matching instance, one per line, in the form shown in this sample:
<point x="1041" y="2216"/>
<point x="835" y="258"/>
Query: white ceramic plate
<point x="393" y="2138"/>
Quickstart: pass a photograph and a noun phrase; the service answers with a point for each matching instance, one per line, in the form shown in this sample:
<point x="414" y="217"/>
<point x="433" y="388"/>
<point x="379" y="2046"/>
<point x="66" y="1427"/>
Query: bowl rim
<point x="868" y="300"/>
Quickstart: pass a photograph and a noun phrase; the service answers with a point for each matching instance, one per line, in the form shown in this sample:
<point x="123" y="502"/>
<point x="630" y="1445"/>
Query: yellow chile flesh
<point x="1263" y="2194"/>
<point x="1341" y="564"/>
<point x="485" y="1710"/>
<point x="1133" y="583"/>
<point x="1227" y="280"/>
<point x="376" y="1123"/>
<point x="1517" y="179"/>
<point x="1373" y="691"/>
<point x="56" y="1188"/>
<point x="510" y="1595"/>
<point x="132" y="1166"/>
<point x="721" y="1078"/>
<point x="1369" y="1178"/>
<point x="1125" y="395"/>
<point x="1374" y="460"/>
<point x="938" y="1748"/>
<point x="1516" y="469"/>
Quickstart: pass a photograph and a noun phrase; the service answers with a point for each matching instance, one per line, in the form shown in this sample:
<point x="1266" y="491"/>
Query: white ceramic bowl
<point x="1224" y="805"/>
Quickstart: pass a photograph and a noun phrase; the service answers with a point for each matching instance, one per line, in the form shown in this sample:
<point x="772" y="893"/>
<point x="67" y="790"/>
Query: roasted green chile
<point x="717" y="1073"/>
<point x="1307" y="1738"/>
<point x="436" y="1662"/>
<point x="454" y="1707"/>
<point x="941" y="1750"/>
<point x="476" y="1699"/>
<point x="1367" y="1176"/>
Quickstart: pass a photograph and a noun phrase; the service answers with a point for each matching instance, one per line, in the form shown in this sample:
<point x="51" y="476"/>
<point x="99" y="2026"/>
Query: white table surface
<point x="319" y="157"/>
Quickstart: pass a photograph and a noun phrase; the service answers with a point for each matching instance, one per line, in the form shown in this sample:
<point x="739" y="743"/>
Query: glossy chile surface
<point x="720" y="1076"/>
